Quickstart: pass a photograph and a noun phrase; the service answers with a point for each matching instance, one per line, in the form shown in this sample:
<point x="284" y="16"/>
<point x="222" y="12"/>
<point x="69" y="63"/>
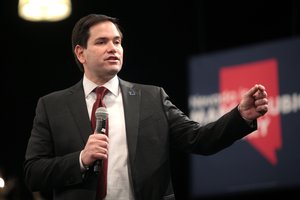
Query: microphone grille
<point x="101" y="113"/>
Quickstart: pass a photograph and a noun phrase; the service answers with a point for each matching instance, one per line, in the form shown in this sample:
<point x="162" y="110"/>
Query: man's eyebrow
<point x="105" y="38"/>
<point x="101" y="38"/>
<point x="118" y="37"/>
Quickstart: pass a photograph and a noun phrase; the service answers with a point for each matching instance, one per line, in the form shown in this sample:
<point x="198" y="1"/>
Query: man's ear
<point x="79" y="52"/>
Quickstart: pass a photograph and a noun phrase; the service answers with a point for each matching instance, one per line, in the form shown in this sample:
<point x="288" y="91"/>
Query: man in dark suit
<point x="142" y="126"/>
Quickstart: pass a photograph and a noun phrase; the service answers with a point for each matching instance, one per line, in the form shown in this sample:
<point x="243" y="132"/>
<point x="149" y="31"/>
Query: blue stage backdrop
<point x="269" y="158"/>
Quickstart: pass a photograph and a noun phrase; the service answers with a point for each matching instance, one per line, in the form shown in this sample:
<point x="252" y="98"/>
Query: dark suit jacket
<point x="61" y="128"/>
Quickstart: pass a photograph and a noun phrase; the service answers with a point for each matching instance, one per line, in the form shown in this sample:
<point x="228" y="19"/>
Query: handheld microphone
<point x="101" y="115"/>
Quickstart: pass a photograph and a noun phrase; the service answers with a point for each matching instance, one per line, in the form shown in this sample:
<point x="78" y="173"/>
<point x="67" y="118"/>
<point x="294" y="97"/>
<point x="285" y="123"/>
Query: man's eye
<point x="100" y="42"/>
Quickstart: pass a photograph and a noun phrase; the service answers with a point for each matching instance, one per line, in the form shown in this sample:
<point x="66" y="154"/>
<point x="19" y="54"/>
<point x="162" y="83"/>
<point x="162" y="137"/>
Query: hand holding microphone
<point x="101" y="115"/>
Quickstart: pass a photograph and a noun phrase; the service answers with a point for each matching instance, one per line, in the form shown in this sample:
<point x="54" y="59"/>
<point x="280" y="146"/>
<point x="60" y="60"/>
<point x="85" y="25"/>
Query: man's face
<point x="103" y="57"/>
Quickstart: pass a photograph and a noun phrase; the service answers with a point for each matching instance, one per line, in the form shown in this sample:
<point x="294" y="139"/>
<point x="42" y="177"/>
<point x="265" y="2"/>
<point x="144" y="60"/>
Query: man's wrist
<point x="249" y="121"/>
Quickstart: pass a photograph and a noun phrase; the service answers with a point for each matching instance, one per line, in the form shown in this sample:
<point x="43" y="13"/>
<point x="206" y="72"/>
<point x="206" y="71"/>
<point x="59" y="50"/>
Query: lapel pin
<point x="131" y="92"/>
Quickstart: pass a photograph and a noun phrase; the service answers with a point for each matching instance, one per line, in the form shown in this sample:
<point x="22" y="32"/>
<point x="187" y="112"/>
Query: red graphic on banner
<point x="235" y="81"/>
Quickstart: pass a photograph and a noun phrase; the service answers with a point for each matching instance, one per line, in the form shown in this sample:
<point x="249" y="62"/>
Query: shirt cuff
<point x="82" y="167"/>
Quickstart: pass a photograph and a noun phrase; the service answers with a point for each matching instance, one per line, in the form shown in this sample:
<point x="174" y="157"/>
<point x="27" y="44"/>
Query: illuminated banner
<point x="268" y="158"/>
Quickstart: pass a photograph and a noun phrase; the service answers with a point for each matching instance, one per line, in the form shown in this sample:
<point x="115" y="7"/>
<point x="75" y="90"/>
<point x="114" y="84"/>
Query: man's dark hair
<point x="81" y="31"/>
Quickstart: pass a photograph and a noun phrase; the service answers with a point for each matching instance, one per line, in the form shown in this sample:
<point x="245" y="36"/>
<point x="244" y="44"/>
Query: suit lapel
<point x="131" y="102"/>
<point x="78" y="108"/>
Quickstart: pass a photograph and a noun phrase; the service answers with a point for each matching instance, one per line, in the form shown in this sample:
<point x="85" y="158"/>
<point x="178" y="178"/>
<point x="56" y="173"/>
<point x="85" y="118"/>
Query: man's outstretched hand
<point x="254" y="103"/>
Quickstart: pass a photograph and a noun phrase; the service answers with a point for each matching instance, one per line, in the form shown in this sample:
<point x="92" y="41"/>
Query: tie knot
<point x="101" y="91"/>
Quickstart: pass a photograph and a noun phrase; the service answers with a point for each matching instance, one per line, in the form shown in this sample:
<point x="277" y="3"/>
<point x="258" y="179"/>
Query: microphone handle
<point x="100" y="129"/>
<point x="98" y="165"/>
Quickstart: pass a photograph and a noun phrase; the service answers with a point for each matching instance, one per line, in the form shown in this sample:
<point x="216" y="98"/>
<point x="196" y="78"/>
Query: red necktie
<point x="102" y="185"/>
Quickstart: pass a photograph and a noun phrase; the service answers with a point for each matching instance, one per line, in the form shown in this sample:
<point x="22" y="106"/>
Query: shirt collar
<point x="112" y="85"/>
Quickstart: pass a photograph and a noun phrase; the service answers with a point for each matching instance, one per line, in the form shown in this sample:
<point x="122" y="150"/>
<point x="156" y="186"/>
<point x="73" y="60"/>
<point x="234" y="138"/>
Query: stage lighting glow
<point x="2" y="182"/>
<point x="44" y="10"/>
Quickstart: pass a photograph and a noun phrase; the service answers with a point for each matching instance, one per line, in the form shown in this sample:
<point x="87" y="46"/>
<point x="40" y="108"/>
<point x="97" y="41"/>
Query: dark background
<point x="160" y="37"/>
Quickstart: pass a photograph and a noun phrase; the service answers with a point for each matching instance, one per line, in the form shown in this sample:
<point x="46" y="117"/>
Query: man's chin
<point x="114" y="71"/>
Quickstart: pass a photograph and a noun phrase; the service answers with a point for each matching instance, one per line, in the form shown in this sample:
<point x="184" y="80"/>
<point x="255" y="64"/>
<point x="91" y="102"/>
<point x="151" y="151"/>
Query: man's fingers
<point x="262" y="109"/>
<point x="260" y="95"/>
<point x="261" y="87"/>
<point x="261" y="102"/>
<point x="252" y="91"/>
<point x="257" y="87"/>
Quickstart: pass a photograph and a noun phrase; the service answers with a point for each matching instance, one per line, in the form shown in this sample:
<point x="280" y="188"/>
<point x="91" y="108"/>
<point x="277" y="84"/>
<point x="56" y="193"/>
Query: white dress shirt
<point x="118" y="181"/>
